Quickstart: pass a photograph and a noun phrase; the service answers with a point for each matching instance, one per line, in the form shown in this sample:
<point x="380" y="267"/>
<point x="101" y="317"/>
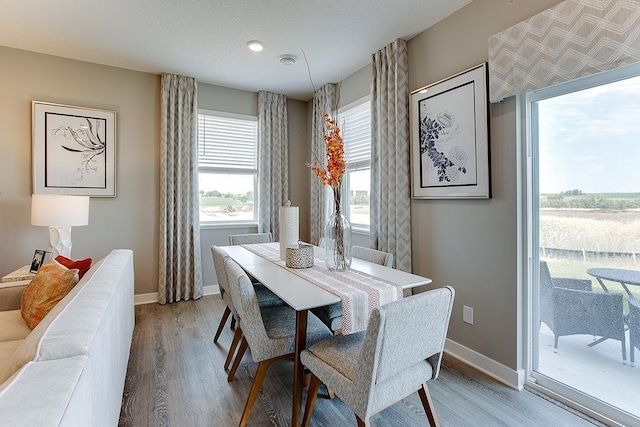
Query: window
<point x="584" y="188"/>
<point x="355" y="123"/>
<point x="227" y="167"/>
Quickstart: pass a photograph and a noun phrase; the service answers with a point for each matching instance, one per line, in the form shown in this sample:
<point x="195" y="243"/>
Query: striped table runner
<point x="360" y="292"/>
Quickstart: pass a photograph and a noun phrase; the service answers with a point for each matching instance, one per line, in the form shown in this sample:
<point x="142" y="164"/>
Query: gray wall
<point x="127" y="221"/>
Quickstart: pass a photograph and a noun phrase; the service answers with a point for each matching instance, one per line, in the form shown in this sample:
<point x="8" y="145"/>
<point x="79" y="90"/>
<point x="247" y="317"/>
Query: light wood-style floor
<point x="176" y="378"/>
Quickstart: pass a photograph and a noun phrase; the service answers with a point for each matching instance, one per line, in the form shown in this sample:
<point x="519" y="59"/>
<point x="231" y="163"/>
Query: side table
<point x="22" y="273"/>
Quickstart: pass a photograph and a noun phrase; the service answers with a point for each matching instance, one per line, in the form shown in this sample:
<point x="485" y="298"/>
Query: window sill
<point x="359" y="230"/>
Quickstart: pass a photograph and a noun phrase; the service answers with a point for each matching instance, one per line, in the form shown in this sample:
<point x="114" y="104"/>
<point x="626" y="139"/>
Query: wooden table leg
<point x="298" y="368"/>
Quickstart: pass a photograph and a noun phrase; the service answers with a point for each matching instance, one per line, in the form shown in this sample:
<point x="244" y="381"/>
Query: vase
<point x="337" y="242"/>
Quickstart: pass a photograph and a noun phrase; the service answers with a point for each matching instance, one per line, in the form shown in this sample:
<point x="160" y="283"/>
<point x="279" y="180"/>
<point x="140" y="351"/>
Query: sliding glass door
<point x="584" y="215"/>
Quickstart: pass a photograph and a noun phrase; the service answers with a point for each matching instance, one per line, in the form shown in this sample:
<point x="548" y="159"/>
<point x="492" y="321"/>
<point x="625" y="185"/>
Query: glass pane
<point x="589" y="240"/>
<point x="359" y="197"/>
<point x="226" y="197"/>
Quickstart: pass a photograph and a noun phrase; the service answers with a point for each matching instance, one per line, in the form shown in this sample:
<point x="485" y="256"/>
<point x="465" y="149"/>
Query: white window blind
<point x="227" y="144"/>
<point x="355" y="124"/>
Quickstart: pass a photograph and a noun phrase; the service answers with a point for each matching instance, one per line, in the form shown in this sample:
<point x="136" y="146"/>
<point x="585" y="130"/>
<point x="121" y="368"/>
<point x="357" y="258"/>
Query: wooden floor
<point x="176" y="378"/>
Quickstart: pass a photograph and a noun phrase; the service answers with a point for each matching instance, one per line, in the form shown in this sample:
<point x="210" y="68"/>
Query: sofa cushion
<point x="83" y="264"/>
<point x="13" y="326"/>
<point x="7" y="348"/>
<point x="27" y="351"/>
<point x="52" y="282"/>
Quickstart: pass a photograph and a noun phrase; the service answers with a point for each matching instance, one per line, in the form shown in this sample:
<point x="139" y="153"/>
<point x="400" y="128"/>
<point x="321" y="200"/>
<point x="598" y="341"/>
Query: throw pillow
<point x="52" y="282"/>
<point x="83" y="264"/>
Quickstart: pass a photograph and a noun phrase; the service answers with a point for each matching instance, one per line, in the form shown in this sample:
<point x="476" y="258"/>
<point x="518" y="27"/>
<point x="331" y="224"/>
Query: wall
<point x="127" y="221"/>
<point x="473" y="244"/>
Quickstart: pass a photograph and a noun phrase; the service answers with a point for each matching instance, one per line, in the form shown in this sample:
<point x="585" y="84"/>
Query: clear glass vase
<point x="337" y="241"/>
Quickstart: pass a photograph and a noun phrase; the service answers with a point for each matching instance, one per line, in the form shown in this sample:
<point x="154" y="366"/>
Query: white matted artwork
<point x="450" y="138"/>
<point x="74" y="150"/>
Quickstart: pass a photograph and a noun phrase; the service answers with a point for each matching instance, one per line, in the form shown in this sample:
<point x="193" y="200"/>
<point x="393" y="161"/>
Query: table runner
<point x="360" y="292"/>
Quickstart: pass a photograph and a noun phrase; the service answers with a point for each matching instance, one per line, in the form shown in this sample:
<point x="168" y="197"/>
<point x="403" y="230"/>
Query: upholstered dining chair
<point x="249" y="238"/>
<point x="569" y="307"/>
<point x="398" y="353"/>
<point x="268" y="332"/>
<point x="331" y="315"/>
<point x="265" y="298"/>
<point x="634" y="327"/>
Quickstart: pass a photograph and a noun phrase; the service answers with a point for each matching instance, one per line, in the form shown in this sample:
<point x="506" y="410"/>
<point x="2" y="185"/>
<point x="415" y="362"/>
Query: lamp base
<point x="60" y="241"/>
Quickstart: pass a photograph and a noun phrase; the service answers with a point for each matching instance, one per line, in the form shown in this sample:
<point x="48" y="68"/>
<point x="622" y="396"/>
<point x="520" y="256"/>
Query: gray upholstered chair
<point x="268" y="332"/>
<point x="569" y="307"/>
<point x="265" y="298"/>
<point x="398" y="353"/>
<point x="247" y="239"/>
<point x="331" y="315"/>
<point x="634" y="327"/>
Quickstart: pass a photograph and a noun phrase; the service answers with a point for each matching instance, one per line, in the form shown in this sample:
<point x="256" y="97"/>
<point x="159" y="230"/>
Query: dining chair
<point x="269" y="333"/>
<point x="331" y="315"/>
<point x="634" y="327"/>
<point x="249" y="238"/>
<point x="264" y="296"/>
<point x="398" y="353"/>
<point x="569" y="307"/>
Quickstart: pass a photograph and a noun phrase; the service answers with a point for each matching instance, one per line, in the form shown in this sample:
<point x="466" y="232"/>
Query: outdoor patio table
<point x="624" y="277"/>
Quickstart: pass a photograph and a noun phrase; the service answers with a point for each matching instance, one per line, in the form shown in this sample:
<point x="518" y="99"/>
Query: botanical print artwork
<point x="75" y="151"/>
<point x="447" y="138"/>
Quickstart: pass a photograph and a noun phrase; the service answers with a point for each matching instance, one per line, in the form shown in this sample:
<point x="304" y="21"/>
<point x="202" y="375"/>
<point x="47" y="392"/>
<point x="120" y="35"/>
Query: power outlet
<point x="467" y="314"/>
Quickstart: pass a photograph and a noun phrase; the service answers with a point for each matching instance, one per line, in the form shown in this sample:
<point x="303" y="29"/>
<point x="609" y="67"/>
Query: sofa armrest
<point x="11" y="294"/>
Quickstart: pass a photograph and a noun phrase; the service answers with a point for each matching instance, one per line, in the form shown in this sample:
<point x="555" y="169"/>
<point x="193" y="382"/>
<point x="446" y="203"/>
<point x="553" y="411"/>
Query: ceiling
<point x="206" y="39"/>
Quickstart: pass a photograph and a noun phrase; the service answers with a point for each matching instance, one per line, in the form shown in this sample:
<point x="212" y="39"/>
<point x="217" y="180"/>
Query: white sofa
<point x="70" y="370"/>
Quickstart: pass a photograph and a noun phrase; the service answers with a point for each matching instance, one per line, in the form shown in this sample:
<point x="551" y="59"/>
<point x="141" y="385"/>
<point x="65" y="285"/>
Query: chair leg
<point x="236" y="363"/>
<point x="255" y="389"/>
<point x="311" y="400"/>
<point x="225" y="316"/>
<point x="233" y="323"/>
<point x="234" y="344"/>
<point x="624" y="349"/>
<point x="427" y="404"/>
<point x="362" y="423"/>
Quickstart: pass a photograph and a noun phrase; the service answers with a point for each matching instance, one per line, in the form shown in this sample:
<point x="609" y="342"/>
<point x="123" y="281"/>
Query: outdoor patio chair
<point x="634" y="327"/>
<point x="570" y="307"/>
<point x="399" y="352"/>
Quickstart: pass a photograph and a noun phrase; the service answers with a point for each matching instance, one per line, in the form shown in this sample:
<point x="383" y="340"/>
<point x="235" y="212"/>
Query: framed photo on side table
<point x="38" y="259"/>
<point x="450" y="138"/>
<point x="74" y="150"/>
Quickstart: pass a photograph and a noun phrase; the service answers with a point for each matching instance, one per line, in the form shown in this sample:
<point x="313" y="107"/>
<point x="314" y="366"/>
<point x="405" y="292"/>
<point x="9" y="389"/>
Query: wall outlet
<point x="467" y="314"/>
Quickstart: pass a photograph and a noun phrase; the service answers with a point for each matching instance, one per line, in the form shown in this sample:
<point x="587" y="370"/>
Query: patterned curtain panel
<point x="574" y="39"/>
<point x="325" y="100"/>
<point x="390" y="154"/>
<point x="273" y="160"/>
<point x="180" y="267"/>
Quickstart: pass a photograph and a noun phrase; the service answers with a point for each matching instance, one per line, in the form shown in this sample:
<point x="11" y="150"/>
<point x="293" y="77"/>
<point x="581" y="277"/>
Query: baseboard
<point x="153" y="297"/>
<point x="502" y="373"/>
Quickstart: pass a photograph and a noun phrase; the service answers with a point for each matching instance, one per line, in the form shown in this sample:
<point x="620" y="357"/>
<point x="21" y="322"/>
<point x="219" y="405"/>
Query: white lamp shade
<point x="59" y="210"/>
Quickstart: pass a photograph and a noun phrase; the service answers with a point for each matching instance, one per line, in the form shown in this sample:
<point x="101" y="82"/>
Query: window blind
<point x="227" y="144"/>
<point x="355" y="124"/>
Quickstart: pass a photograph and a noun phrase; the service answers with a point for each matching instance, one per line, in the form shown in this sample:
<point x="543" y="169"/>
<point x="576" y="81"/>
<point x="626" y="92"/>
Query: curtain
<point x="390" y="153"/>
<point x="573" y="39"/>
<point x="180" y="267"/>
<point x="273" y="160"/>
<point x="325" y="101"/>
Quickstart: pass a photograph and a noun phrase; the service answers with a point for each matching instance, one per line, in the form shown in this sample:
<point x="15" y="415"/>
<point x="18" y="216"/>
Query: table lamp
<point x="59" y="213"/>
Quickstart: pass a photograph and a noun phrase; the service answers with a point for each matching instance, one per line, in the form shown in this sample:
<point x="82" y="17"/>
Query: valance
<point x="574" y="39"/>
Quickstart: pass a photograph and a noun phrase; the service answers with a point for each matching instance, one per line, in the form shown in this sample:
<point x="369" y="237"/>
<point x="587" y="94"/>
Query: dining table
<point x="302" y="294"/>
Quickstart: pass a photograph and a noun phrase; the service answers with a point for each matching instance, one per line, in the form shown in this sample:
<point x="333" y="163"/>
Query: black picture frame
<point x="38" y="259"/>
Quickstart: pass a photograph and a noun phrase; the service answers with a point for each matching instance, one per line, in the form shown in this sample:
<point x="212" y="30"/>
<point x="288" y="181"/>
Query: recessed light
<point x="288" y="59"/>
<point x="255" y="45"/>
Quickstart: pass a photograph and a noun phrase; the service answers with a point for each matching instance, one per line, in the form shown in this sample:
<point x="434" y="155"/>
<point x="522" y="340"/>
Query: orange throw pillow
<point x="83" y="264"/>
<point x="52" y="282"/>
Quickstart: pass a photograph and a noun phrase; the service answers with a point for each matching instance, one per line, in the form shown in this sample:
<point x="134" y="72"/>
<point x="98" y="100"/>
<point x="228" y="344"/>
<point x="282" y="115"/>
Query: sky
<point x="590" y="140"/>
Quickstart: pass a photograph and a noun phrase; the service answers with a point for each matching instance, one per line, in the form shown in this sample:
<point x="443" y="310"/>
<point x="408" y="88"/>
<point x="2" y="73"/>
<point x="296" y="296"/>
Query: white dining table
<point x="302" y="295"/>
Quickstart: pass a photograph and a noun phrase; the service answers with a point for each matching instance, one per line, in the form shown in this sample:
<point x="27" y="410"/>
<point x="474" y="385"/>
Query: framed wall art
<point x="450" y="138"/>
<point x="74" y="150"/>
